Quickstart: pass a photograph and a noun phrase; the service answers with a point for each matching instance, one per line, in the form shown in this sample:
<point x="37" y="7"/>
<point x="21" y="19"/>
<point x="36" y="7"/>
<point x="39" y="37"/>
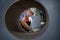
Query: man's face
<point x="29" y="13"/>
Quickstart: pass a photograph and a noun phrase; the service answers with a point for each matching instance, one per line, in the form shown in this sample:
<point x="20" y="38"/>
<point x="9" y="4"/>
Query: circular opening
<point x="18" y="27"/>
<point x="28" y="20"/>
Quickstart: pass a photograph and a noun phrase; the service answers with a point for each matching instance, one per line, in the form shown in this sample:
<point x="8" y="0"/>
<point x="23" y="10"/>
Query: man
<point x="26" y="21"/>
<point x="26" y="18"/>
<point x="32" y="19"/>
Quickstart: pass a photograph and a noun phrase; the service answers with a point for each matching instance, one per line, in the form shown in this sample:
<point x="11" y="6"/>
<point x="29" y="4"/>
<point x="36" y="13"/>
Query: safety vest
<point x="26" y="19"/>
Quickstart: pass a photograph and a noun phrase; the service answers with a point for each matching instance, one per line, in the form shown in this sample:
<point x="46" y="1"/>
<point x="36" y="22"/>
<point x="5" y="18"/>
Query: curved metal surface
<point x="13" y="12"/>
<point x="52" y="32"/>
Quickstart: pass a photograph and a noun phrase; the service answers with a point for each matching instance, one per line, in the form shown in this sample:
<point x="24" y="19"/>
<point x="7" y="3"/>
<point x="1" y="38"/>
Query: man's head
<point x="29" y="12"/>
<point x="32" y="11"/>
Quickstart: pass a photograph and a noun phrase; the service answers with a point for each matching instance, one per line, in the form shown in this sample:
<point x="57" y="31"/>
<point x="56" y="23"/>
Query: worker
<point x="26" y="21"/>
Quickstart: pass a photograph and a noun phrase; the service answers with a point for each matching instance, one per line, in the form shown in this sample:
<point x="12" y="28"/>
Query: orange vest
<point x="26" y="19"/>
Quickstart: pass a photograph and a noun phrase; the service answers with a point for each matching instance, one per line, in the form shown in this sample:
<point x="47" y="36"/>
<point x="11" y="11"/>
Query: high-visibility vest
<point x="26" y="19"/>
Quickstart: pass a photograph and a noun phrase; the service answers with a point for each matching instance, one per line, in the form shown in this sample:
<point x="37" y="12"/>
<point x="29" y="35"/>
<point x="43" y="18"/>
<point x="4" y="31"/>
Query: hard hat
<point x="35" y="10"/>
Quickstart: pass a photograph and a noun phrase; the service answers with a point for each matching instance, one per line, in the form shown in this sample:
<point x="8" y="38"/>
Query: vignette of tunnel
<point x="27" y="18"/>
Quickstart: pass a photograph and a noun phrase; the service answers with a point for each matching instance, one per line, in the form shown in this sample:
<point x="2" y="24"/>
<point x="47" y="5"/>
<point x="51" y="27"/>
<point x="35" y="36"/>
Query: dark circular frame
<point x="13" y="13"/>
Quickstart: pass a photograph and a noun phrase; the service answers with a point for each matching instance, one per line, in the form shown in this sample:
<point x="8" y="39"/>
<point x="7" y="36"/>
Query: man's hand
<point x="26" y="26"/>
<point x="31" y="30"/>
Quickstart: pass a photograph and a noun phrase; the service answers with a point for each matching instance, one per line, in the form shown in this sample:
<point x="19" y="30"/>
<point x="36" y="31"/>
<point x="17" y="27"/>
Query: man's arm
<point x="26" y="25"/>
